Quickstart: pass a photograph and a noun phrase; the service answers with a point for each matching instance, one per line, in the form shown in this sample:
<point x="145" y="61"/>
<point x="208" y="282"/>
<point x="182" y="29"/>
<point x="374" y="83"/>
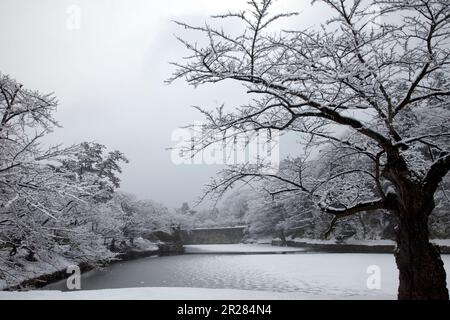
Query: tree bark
<point x="422" y="273"/>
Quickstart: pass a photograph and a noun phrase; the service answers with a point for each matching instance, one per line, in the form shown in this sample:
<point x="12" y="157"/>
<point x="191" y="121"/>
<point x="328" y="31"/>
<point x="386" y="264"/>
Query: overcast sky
<point x="109" y="78"/>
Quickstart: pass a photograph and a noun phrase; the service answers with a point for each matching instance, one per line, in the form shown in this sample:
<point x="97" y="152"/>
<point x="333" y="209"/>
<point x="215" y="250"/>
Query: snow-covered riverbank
<point x="351" y="245"/>
<point x="165" y="293"/>
<point x="51" y="266"/>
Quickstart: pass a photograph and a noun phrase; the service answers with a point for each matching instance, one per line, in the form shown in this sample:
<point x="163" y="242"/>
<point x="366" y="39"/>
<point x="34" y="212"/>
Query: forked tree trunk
<point x="422" y="273"/>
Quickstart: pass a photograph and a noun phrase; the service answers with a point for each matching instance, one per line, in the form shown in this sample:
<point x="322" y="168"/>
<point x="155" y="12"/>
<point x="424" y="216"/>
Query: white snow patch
<point x="143" y="244"/>
<point x="440" y="242"/>
<point x="370" y="242"/>
<point x="348" y="241"/>
<point x="238" y="248"/>
<point x="162" y="293"/>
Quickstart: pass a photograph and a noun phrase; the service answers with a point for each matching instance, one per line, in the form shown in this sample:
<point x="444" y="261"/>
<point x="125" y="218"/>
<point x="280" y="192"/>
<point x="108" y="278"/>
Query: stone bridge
<point x="225" y="235"/>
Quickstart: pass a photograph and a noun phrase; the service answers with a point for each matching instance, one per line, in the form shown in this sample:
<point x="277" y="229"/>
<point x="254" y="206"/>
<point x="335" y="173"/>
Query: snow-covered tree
<point x="48" y="206"/>
<point x="382" y="75"/>
<point x="35" y="191"/>
<point x="91" y="164"/>
<point x="236" y="205"/>
<point x="124" y="218"/>
<point x="266" y="218"/>
<point x="185" y="209"/>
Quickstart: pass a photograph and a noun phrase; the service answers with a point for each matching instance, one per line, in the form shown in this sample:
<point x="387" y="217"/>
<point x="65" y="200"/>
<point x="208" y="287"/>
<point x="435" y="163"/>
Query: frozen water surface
<point x="309" y="275"/>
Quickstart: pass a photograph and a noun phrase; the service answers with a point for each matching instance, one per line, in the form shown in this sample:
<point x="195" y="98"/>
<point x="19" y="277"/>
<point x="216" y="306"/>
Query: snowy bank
<point x="18" y="272"/>
<point x="166" y="293"/>
<point x="352" y="245"/>
<point x="348" y="241"/>
<point x="238" y="249"/>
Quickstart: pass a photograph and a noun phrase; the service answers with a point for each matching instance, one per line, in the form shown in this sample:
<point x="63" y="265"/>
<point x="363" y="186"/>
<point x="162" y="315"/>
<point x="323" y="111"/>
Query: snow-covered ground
<point x="144" y="245"/>
<point x="348" y="241"/>
<point x="18" y="269"/>
<point x="239" y="248"/>
<point x="441" y="242"/>
<point x="159" y="293"/>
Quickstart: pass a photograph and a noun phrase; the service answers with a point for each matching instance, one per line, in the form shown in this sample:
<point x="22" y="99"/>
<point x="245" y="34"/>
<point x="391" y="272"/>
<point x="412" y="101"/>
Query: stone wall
<point x="213" y="235"/>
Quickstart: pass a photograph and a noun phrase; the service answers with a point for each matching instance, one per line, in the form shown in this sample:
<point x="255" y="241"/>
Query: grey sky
<point x="109" y="78"/>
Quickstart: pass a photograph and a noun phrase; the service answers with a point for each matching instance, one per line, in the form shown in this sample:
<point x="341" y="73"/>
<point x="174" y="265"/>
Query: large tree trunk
<point x="422" y="273"/>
